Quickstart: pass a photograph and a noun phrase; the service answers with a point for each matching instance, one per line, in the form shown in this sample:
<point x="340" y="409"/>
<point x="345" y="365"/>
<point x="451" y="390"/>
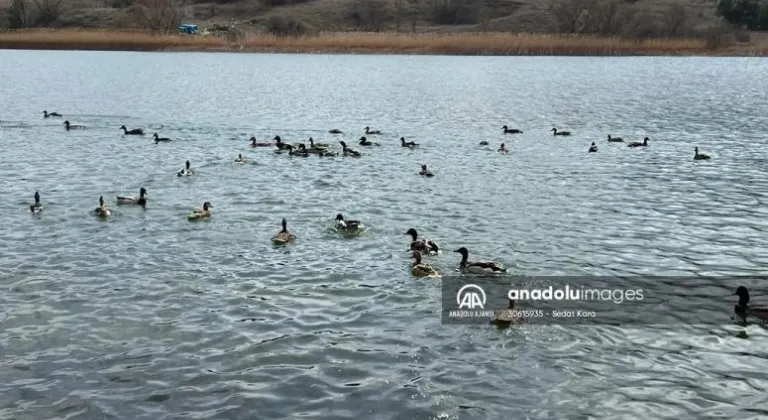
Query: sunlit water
<point x="149" y="316"/>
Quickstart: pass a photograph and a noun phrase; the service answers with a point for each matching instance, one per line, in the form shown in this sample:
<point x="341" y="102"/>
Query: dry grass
<point x="448" y="44"/>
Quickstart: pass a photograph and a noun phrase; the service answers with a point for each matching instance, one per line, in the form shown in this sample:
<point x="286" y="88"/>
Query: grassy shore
<point x="374" y="43"/>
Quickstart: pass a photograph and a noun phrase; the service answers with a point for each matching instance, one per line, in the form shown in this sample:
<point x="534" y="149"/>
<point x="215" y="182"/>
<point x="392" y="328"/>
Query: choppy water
<point x="149" y="316"/>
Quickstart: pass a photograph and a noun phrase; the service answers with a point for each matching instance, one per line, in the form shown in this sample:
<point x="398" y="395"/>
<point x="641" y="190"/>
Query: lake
<point x="149" y="316"/>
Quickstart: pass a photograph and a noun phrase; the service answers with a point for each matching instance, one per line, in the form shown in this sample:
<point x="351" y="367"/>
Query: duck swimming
<point x="506" y="317"/>
<point x="335" y="131"/>
<point x="511" y="130"/>
<point x="639" y="144"/>
<point x="202" y="213"/>
<point x="592" y="148"/>
<point x="158" y="139"/>
<point x="423" y="245"/>
<point x="141" y="200"/>
<point x="615" y="139"/>
<point x="186" y="170"/>
<point x="346" y="151"/>
<point x="349" y="226"/>
<point x="425" y="172"/>
<point x="255" y="143"/>
<point x="102" y="210"/>
<point x="69" y="126"/>
<point x="503" y="149"/>
<point x="46" y="114"/>
<point x="134" y="132"/>
<point x="420" y="269"/>
<point x="699" y="156"/>
<point x="37" y="207"/>
<point x="297" y="151"/>
<point x="313" y="145"/>
<point x="364" y="142"/>
<point x="410" y="144"/>
<point x="744" y="310"/>
<point x="284" y="236"/>
<point x="560" y="133"/>
<point x="280" y="145"/>
<point x="482" y="143"/>
<point x="369" y="132"/>
<point x="485" y="267"/>
<point x="241" y="159"/>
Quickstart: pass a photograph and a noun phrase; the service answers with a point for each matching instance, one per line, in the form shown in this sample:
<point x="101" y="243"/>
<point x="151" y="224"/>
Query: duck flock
<point x="420" y="246"/>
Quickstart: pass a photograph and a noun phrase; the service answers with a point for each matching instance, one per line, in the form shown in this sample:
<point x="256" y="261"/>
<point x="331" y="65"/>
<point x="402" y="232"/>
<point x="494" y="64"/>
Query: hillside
<point x="604" y="17"/>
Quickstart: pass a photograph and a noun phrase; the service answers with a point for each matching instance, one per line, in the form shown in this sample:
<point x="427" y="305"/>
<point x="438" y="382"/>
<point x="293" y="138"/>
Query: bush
<point x="18" y="15"/>
<point x="369" y="15"/>
<point x="751" y="14"/>
<point x="453" y="12"/>
<point x="281" y="26"/>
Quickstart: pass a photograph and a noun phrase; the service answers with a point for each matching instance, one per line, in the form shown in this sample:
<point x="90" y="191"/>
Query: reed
<point x="380" y="43"/>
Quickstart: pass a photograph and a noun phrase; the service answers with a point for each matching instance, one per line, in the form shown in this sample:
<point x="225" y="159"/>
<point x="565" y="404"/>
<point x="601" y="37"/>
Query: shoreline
<point x="362" y="43"/>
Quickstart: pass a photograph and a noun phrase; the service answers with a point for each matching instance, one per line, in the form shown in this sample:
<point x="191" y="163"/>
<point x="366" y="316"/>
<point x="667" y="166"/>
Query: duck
<point x="297" y="151"/>
<point x="69" y="126"/>
<point x="313" y="145"/>
<point x="141" y="200"/>
<point x="102" y="210"/>
<point x="420" y="269"/>
<point x="485" y="267"/>
<point x="186" y="170"/>
<point x="325" y="152"/>
<point x="511" y="130"/>
<point x="503" y="149"/>
<point x="335" y="131"/>
<point x="410" y="144"/>
<point x="425" y="172"/>
<point x="280" y="145"/>
<point x="644" y="143"/>
<point x="347" y="151"/>
<point x="699" y="156"/>
<point x="423" y="245"/>
<point x="37" y="207"/>
<point x="506" y="317"/>
<point x="255" y="143"/>
<point x="615" y="139"/>
<point x="284" y="236"/>
<point x="158" y="139"/>
<point x="743" y="309"/>
<point x="483" y="143"/>
<point x="592" y="148"/>
<point x="369" y="132"/>
<point x="202" y="213"/>
<point x="350" y="226"/>
<point x="364" y="142"/>
<point x="134" y="132"/>
<point x="241" y="159"/>
<point x="560" y="133"/>
<point x="47" y="114"/>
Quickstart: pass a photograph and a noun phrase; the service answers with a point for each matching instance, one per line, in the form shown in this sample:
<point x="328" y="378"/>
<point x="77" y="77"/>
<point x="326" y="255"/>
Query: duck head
<point x="101" y="201"/>
<point x="278" y="139"/>
<point x="142" y="192"/>
<point x="645" y="140"/>
<point x="284" y="223"/>
<point x="696" y="150"/>
<point x="424" y="168"/>
<point x="504" y="127"/>
<point x="554" y="130"/>
<point x="66" y="123"/>
<point x="37" y="197"/>
<point x="593" y="144"/>
<point x="253" y="139"/>
<point x="207" y="205"/>
<point x="311" y="142"/>
<point x="302" y="147"/>
<point x="186" y="165"/>
<point x="413" y="233"/>
<point x="343" y="145"/>
<point x="366" y="128"/>
<point x="464" y="253"/>
<point x="122" y="127"/>
<point x="240" y="156"/>
<point x="339" y="217"/>
<point x="743" y="295"/>
<point x="363" y="139"/>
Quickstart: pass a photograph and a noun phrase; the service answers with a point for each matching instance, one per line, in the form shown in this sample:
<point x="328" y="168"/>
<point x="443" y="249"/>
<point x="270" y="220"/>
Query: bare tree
<point x="18" y="14"/>
<point x="48" y="11"/>
<point x="160" y="15"/>
<point x="610" y="17"/>
<point x="570" y="15"/>
<point x="675" y="20"/>
<point x="369" y="15"/>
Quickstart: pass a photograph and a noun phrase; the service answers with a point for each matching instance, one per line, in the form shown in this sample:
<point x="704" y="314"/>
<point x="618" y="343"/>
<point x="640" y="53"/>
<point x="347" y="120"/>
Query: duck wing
<point x="487" y="265"/>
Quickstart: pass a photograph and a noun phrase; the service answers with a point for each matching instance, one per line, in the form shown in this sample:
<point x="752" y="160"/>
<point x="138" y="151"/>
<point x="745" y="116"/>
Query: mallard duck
<point x="335" y="131"/>
<point x="482" y="143"/>
<point x="485" y="267"/>
<point x="349" y="226"/>
<point x="506" y="317"/>
<point x="69" y="126"/>
<point x="423" y="245"/>
<point x="280" y="145"/>
<point x="644" y="143"/>
<point x="364" y="142"/>
<point x="202" y="213"/>
<point x="102" y="210"/>
<point x="560" y="133"/>
<point x="615" y="139"/>
<point x="241" y="159"/>
<point x="592" y="148"/>
<point x="134" y="132"/>
<point x="47" y="114"/>
<point x="503" y="149"/>
<point x="699" y="156"/>
<point x="511" y="130"/>
<point x="346" y="151"/>
<point x="425" y="172"/>
<point x="420" y="269"/>
<point x="408" y="144"/>
<point x="37" y="207"/>
<point x="369" y="132"/>
<point x="313" y="145"/>
<point x="255" y="143"/>
<point x="297" y="151"/>
<point x="158" y="139"/>
<point x="141" y="200"/>
<point x="743" y="309"/>
<point x="186" y="170"/>
<point x="283" y="237"/>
